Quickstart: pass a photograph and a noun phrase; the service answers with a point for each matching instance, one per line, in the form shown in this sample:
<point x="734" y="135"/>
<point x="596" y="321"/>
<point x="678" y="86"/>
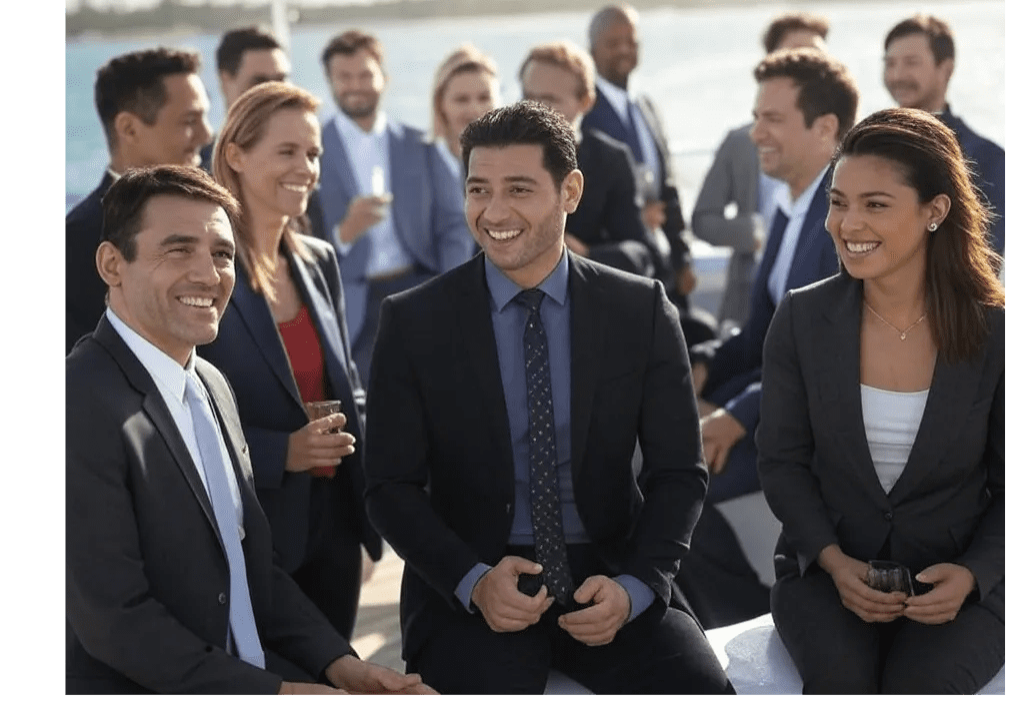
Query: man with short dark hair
<point x="170" y="582"/>
<point x="806" y="101"/>
<point x="153" y="106"/>
<point x="389" y="205"/>
<point x="919" y="60"/>
<point x="735" y="179"/>
<point x="528" y="542"/>
<point x="633" y="120"/>
<point x="607" y="226"/>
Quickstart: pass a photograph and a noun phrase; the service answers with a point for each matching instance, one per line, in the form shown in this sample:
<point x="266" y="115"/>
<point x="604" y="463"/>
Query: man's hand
<point x="952" y="582"/>
<point x="653" y="215"/>
<point x="576" y="246"/>
<point x="719" y="432"/>
<point x="597" y="625"/>
<point x="686" y="281"/>
<point x="316" y="445"/>
<point x="497" y="596"/>
<point x="363" y="212"/>
<point x="850" y="578"/>
<point x="704" y="408"/>
<point x="362" y="677"/>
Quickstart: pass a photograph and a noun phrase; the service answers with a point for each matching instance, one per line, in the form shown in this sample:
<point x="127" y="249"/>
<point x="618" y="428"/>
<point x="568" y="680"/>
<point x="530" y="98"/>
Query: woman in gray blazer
<point x="882" y="427"/>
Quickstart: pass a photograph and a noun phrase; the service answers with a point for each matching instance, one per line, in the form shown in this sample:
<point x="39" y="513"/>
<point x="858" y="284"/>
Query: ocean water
<point x="696" y="63"/>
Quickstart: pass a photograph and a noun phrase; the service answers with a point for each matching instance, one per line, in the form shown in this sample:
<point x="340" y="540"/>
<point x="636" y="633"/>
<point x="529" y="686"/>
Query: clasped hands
<point x="319" y="443"/>
<point x="719" y="430"/>
<point x="951" y="585"/>
<point x="506" y="609"/>
<point x="354" y="676"/>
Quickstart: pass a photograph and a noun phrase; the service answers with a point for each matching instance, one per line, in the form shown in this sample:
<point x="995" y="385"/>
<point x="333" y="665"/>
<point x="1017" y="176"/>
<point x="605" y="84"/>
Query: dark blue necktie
<point x="545" y="507"/>
<point x="632" y="136"/>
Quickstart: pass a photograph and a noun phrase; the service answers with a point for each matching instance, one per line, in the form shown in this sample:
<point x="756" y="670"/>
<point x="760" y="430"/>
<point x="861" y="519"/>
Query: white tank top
<point x="891" y="421"/>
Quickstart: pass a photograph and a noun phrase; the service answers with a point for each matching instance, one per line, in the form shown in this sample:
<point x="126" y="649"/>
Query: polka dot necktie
<point x="545" y="507"/>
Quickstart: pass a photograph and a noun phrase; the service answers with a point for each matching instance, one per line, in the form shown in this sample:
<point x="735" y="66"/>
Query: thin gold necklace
<point x="903" y="334"/>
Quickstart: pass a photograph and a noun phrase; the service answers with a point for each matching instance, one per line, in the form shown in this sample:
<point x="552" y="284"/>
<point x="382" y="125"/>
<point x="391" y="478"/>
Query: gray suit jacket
<point x="428" y="214"/>
<point x="816" y="469"/>
<point x="146" y="575"/>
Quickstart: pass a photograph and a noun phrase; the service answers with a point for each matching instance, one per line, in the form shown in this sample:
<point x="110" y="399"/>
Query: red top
<point x="302" y="344"/>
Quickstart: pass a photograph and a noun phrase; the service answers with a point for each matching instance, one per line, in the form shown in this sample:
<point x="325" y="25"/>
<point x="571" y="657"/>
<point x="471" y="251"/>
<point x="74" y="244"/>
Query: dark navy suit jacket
<point x="734" y="366"/>
<point x="85" y="292"/>
<point x="249" y="351"/>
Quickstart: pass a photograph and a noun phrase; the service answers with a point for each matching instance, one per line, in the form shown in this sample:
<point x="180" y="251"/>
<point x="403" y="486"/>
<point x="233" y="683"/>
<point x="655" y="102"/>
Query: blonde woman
<point x="465" y="88"/>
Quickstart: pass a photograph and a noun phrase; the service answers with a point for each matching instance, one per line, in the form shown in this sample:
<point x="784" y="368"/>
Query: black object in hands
<point x="888" y="576"/>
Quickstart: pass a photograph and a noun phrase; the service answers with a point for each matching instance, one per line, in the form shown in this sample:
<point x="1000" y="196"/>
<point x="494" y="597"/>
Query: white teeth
<point x="861" y="248"/>
<point x="196" y="301"/>
<point x="295" y="187"/>
<point x="504" y="235"/>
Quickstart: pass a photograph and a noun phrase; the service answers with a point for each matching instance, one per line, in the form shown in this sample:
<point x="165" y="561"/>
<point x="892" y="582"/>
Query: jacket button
<point x="888" y="517"/>
<point x="222" y="598"/>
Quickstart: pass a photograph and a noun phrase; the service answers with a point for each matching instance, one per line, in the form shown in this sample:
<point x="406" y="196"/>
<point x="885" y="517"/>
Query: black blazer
<point x="603" y="117"/>
<point x="146" y="575"/>
<point x="609" y="211"/>
<point x="439" y="461"/>
<point x="249" y="351"/>
<point x="949" y="503"/>
<point x="85" y="292"/>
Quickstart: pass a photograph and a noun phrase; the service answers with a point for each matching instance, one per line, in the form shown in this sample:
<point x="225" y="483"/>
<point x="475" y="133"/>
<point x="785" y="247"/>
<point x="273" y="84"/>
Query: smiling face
<point x="174" y="292"/>
<point x="256" y="67"/>
<point x="877" y="221"/>
<point x="616" y="52"/>
<point x="516" y="212"/>
<point x="912" y="76"/>
<point x="556" y="87"/>
<point x="467" y="96"/>
<point x="786" y="147"/>
<point x="180" y="129"/>
<point x="277" y="174"/>
<point x="357" y="82"/>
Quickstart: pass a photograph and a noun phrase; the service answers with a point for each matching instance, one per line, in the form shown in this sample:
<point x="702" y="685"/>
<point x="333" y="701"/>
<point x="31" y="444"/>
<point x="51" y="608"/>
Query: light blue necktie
<point x="240" y="617"/>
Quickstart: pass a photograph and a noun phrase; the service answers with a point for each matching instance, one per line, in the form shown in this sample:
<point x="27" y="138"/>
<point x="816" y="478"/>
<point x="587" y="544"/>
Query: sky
<point x="73" y="5"/>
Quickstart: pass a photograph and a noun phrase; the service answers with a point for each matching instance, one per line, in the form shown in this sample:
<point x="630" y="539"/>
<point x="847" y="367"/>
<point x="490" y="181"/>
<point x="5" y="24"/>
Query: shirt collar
<point x="352" y="132"/>
<point x="164" y="369"/>
<point x="503" y="289"/>
<point x="803" y="202"/>
<point x="617" y="97"/>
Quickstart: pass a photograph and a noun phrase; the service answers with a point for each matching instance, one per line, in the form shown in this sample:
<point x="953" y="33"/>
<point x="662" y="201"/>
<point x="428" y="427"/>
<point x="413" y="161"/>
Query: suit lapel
<point x="155" y="408"/>
<point x="407" y="185"/>
<point x="806" y="258"/>
<point x="844" y="341"/>
<point x="339" y="163"/>
<point x="472" y="307"/>
<point x="255" y="314"/>
<point x="587" y="347"/>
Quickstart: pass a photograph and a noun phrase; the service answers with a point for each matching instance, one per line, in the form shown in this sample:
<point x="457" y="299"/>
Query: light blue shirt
<point x="509" y="320"/>
<point x="796" y="211"/>
<point x="623" y="103"/>
<point x="369" y="153"/>
<point x="170" y="381"/>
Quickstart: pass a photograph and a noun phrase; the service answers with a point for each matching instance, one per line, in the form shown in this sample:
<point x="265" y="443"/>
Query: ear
<point x="126" y="126"/>
<point x="946" y="69"/>
<point x="588" y="103"/>
<point x="234" y="156"/>
<point x="938" y="208"/>
<point x="572" y="190"/>
<point x="827" y="126"/>
<point x="109" y="262"/>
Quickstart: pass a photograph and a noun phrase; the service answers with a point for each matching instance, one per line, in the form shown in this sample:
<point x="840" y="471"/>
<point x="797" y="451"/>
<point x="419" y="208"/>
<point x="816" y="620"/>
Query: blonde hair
<point x="244" y="127"/>
<point x="466" y="58"/>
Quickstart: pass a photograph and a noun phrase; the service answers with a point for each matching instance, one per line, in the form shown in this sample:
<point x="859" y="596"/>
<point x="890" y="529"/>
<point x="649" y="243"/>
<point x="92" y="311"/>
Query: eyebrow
<point x="505" y="180"/>
<point x="864" y="195"/>
<point x="185" y="240"/>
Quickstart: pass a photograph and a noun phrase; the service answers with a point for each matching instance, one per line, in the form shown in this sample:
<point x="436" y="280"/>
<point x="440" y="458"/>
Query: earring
<point x="933" y="227"/>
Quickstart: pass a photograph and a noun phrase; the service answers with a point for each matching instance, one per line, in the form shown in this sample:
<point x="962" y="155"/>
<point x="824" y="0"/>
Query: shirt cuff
<point x="464" y="591"/>
<point x="640" y="595"/>
<point x="342" y="247"/>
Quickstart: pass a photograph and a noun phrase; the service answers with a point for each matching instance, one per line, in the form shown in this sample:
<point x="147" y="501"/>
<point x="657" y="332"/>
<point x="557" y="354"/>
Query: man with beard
<point x="919" y="58"/>
<point x="389" y="208"/>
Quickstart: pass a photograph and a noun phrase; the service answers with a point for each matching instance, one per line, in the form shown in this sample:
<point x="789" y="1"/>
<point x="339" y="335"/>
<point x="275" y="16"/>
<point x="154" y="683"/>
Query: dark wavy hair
<point x="961" y="274"/>
<point x="824" y="85"/>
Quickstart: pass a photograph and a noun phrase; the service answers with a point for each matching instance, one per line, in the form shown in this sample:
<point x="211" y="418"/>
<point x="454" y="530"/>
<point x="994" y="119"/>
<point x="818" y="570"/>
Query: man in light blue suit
<point x="388" y="207"/>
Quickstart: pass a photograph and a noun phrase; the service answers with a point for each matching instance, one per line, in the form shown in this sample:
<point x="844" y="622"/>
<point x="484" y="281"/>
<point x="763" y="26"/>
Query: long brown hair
<point x="245" y="126"/>
<point x="961" y="274"/>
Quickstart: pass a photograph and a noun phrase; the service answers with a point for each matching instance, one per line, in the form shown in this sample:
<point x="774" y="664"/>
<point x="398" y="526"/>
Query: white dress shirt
<point x="796" y="211"/>
<point x="622" y="102"/>
<point x="170" y="381"/>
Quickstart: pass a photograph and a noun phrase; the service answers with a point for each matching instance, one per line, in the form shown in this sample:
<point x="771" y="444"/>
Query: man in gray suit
<point x="735" y="179"/>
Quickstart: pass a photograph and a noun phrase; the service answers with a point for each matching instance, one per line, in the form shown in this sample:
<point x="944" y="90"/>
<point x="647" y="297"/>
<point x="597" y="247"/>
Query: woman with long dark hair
<point x="881" y="442"/>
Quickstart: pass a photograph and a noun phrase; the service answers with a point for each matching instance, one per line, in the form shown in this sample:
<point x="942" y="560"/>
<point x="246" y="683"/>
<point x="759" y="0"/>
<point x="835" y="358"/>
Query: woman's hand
<point x="320" y="443"/>
<point x="850" y="577"/>
<point x="952" y="582"/>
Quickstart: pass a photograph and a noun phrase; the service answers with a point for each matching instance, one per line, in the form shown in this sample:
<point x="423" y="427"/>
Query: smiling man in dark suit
<point x="152" y="105"/>
<point x="170" y="584"/>
<point x="505" y="402"/>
